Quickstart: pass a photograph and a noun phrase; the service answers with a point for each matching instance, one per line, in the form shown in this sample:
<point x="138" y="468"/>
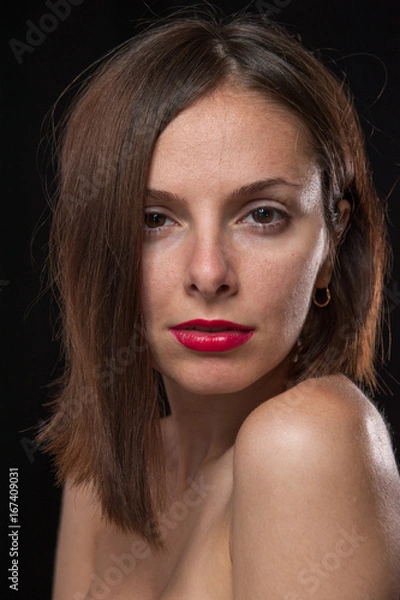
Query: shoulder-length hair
<point x="105" y="429"/>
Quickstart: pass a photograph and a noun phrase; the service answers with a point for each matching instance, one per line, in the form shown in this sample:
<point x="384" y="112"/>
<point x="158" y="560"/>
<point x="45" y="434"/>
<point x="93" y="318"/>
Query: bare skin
<point x="281" y="474"/>
<point x="222" y="263"/>
<point x="205" y="533"/>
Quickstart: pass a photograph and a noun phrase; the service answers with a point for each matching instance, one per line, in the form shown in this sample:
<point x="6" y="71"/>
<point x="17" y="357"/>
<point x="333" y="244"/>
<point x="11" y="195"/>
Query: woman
<point x="220" y="252"/>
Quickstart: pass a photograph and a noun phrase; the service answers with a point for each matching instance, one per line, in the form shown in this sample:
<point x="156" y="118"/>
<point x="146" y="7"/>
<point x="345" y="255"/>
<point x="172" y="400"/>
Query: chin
<point x="206" y="383"/>
<point x="218" y="377"/>
<point x="215" y="388"/>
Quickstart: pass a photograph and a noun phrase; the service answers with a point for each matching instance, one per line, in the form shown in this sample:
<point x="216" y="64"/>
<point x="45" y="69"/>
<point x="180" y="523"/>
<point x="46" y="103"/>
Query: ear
<point x="343" y="209"/>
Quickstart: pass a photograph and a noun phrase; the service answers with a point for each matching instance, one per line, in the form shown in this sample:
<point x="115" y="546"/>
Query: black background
<point x="361" y="37"/>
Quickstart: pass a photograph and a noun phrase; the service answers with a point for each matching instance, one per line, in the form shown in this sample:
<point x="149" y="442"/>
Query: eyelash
<point x="284" y="219"/>
<point x="155" y="230"/>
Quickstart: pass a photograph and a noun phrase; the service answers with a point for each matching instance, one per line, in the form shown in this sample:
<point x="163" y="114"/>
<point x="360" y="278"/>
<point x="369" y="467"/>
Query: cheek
<point x="276" y="278"/>
<point x="283" y="283"/>
<point x="160" y="276"/>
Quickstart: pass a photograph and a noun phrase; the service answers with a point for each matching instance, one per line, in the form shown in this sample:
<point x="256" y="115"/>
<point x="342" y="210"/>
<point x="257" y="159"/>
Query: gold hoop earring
<point x="324" y="302"/>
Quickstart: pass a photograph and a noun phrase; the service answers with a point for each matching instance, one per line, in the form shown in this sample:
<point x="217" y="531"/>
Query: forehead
<point x="232" y="135"/>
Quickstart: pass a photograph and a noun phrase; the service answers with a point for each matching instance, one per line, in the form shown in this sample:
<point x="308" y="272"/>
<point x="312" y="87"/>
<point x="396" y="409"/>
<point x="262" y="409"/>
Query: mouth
<point x="211" y="336"/>
<point x="212" y="326"/>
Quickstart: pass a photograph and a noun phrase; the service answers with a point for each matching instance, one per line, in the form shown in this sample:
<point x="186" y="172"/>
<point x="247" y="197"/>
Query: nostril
<point x="224" y="287"/>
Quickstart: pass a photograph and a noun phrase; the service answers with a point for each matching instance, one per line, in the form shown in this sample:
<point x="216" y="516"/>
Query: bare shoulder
<point x="80" y="523"/>
<point x="329" y="418"/>
<point x="316" y="497"/>
<point x="316" y="396"/>
<point x="325" y="414"/>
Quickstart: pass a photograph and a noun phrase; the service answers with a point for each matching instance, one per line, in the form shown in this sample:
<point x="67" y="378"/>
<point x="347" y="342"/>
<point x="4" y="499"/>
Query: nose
<point x="210" y="270"/>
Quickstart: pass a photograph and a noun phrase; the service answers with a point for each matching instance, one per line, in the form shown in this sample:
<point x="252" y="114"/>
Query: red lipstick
<point x="211" y="336"/>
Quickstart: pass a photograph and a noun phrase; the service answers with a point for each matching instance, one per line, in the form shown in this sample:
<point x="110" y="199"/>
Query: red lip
<point x="211" y="336"/>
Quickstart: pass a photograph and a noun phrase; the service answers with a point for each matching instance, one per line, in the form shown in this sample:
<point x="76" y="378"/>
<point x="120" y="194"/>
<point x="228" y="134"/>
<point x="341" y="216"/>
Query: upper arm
<point x="316" y="508"/>
<point x="76" y="544"/>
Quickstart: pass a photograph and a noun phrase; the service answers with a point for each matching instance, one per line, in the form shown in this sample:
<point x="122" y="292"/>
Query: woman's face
<point x="234" y="231"/>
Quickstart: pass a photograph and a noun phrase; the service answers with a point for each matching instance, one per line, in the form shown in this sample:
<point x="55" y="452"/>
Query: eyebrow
<point x="260" y="186"/>
<point x="246" y="190"/>
<point x="163" y="196"/>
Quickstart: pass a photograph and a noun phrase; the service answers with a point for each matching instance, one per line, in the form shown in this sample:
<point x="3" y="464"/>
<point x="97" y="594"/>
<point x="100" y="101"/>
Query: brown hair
<point x="105" y="429"/>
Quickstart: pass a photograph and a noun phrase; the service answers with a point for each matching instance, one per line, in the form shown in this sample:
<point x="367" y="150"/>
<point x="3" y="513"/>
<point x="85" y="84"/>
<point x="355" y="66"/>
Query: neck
<point x="201" y="428"/>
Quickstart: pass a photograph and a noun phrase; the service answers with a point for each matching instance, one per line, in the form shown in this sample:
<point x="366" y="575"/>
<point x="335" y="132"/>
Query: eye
<point x="155" y="220"/>
<point x="263" y="214"/>
<point x="266" y="215"/>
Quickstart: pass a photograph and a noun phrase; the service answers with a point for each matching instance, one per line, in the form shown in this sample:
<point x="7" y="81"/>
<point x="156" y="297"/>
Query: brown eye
<point x="263" y="214"/>
<point x="153" y="220"/>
